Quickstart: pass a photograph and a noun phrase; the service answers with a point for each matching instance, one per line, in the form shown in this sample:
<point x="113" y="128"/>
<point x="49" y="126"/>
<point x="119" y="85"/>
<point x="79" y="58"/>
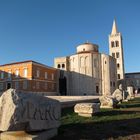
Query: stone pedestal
<point x="86" y="109"/>
<point x="22" y="135"/>
<point x="108" y="102"/>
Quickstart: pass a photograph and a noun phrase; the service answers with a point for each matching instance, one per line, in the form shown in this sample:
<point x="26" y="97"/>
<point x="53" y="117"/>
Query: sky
<point x="41" y="30"/>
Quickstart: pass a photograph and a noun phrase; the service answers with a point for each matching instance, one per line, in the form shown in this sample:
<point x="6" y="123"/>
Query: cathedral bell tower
<point x="116" y="50"/>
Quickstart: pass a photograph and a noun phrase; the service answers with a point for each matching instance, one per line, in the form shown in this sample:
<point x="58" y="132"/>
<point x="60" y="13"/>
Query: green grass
<point x="117" y="123"/>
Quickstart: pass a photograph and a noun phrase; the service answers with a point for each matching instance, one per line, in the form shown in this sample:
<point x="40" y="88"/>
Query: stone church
<point x="89" y="72"/>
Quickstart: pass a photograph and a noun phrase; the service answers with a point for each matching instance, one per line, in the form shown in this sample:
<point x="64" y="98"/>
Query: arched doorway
<point x="63" y="85"/>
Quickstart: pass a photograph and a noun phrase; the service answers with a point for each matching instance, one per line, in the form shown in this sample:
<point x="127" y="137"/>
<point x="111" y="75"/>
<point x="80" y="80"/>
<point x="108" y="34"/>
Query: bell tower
<point x="116" y="50"/>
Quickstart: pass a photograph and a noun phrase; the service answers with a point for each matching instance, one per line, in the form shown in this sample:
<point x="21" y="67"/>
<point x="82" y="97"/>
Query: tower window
<point x="105" y="62"/>
<point x="117" y="43"/>
<point x="113" y="55"/>
<point x="112" y="44"/>
<point x="118" y="65"/>
<point x="118" y="76"/>
<point x="84" y="49"/>
<point x="117" y="55"/>
<point x="58" y="66"/>
<point x="63" y="65"/>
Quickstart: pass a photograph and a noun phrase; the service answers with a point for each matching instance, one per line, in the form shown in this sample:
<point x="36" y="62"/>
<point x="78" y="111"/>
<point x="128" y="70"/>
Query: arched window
<point x="63" y="65"/>
<point x="58" y="66"/>
<point x="117" y="43"/>
<point x="112" y="44"/>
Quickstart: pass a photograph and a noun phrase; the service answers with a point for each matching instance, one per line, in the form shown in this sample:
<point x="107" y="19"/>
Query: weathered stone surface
<point x="87" y="109"/>
<point x="22" y="135"/>
<point x="118" y="95"/>
<point x="108" y="102"/>
<point x="30" y="112"/>
<point x="130" y="92"/>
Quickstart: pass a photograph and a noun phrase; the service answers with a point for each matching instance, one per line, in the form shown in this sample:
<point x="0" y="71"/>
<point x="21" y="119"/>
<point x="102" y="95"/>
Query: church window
<point x="112" y="44"/>
<point x="63" y="65"/>
<point x="97" y="89"/>
<point x="95" y="62"/>
<point x="58" y="66"/>
<point x="117" y="43"/>
<point x="117" y="55"/>
<point x="113" y="55"/>
<point x="118" y="76"/>
<point x="113" y="84"/>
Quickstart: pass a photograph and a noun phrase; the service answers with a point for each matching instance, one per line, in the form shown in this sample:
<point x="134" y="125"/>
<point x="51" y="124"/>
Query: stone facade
<point x="87" y="72"/>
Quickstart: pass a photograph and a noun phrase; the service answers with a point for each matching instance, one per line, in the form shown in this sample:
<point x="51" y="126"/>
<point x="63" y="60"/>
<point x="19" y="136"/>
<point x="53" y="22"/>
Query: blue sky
<point x="41" y="30"/>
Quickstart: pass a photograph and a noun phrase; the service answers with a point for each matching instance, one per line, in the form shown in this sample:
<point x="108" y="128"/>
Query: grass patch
<point x="108" y="124"/>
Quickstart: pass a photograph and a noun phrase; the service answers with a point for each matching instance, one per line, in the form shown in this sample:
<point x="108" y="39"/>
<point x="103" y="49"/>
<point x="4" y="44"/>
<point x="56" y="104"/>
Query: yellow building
<point x="29" y="76"/>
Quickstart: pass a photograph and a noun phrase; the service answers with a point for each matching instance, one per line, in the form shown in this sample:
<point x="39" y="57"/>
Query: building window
<point x="118" y="65"/>
<point x="9" y="74"/>
<point x="46" y="85"/>
<point x="2" y="75"/>
<point x="25" y="84"/>
<point x="58" y="66"/>
<point x="25" y="72"/>
<point x="63" y="65"/>
<point x="113" y="55"/>
<point x="37" y="85"/>
<point x="1" y="86"/>
<point x="37" y="73"/>
<point x="46" y="75"/>
<point x="117" y="55"/>
<point x="52" y="86"/>
<point x="17" y="73"/>
<point x="16" y="85"/>
<point x="118" y="76"/>
<point x="84" y="49"/>
<point x="117" y="43"/>
<point x="112" y="44"/>
<point x="52" y="76"/>
<point x="105" y="62"/>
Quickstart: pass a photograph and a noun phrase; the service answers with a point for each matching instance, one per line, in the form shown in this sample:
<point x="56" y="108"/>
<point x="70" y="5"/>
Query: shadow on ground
<point x="99" y="131"/>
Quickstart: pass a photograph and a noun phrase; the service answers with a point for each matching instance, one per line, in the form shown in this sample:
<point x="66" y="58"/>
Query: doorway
<point x="9" y="85"/>
<point x="63" y="86"/>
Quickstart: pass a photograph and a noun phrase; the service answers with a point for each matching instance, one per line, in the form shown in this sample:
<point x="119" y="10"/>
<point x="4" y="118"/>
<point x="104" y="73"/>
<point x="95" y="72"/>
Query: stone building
<point x="87" y="72"/>
<point x="133" y="79"/>
<point x="29" y="76"/>
<point x="116" y="50"/>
